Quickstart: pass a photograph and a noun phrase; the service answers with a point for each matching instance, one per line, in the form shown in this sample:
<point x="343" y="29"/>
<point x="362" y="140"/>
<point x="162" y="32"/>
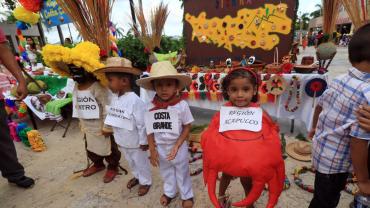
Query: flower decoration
<point x="22" y="14"/>
<point x="287" y="68"/>
<point x="276" y="85"/>
<point x="84" y="55"/>
<point x="31" y="5"/>
<point x="315" y="87"/>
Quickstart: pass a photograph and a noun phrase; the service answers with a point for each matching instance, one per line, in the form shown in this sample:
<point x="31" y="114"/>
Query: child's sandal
<point x="143" y="190"/>
<point x="132" y="183"/>
<point x="165" y="200"/>
<point x="189" y="203"/>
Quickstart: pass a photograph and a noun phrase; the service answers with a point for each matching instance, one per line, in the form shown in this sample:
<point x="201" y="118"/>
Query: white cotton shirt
<point x="185" y="118"/>
<point x="135" y="109"/>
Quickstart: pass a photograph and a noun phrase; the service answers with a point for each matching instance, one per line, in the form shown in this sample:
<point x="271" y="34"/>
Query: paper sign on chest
<point x="233" y="118"/>
<point x="162" y="121"/>
<point x="118" y="117"/>
<point x="85" y="106"/>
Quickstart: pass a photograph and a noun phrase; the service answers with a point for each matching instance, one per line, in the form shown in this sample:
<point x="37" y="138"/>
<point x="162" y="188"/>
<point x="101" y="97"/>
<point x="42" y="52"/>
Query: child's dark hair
<point x="359" y="46"/>
<point x="240" y="73"/>
<point x="132" y="79"/>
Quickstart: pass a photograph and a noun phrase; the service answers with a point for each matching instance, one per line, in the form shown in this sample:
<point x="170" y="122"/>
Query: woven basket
<point x="275" y="67"/>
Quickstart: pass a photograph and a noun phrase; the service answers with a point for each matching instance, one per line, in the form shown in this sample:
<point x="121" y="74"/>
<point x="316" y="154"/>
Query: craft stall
<point x="291" y="96"/>
<point x="49" y="98"/>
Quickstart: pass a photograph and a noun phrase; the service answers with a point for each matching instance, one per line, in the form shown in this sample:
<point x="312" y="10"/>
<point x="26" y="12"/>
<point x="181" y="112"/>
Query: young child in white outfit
<point x="166" y="139"/>
<point x="126" y="116"/>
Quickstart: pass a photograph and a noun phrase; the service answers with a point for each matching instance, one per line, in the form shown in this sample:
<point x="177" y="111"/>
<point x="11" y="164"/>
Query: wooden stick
<point x="314" y="97"/>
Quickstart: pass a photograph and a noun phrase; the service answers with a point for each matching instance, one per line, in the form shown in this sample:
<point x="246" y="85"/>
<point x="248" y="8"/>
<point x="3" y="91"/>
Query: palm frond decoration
<point x="150" y="32"/>
<point x="91" y="19"/>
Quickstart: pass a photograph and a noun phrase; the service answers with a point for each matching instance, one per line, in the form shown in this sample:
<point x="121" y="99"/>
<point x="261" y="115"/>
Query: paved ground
<point x="56" y="186"/>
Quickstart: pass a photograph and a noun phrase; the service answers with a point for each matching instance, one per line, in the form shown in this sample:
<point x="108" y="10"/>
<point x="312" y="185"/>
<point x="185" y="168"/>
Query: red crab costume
<point x="242" y="153"/>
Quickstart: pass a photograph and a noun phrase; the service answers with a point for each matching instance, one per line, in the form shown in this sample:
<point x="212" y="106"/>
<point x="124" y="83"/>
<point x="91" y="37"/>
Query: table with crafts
<point x="297" y="100"/>
<point x="47" y="103"/>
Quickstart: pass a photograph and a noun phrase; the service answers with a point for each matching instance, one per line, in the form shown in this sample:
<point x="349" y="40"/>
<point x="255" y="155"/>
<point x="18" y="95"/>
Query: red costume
<point x="243" y="153"/>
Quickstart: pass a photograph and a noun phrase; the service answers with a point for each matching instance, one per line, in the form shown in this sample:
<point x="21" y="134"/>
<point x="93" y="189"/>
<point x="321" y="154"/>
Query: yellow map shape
<point x="252" y="28"/>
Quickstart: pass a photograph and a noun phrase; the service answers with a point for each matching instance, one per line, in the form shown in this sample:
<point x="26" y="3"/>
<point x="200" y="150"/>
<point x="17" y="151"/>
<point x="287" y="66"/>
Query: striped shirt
<point x="337" y="122"/>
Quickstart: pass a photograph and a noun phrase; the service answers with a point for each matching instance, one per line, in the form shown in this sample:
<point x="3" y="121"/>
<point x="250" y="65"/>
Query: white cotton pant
<point x="175" y="173"/>
<point x="139" y="164"/>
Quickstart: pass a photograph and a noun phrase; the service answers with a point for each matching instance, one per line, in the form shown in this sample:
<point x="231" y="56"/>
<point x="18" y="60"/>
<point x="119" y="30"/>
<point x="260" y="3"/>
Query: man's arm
<point x="7" y="58"/>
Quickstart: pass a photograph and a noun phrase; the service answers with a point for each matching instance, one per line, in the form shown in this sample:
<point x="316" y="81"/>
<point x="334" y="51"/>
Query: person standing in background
<point x="10" y="167"/>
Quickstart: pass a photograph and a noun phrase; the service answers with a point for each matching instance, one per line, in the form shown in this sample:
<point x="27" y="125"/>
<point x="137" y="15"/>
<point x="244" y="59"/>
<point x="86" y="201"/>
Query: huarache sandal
<point x="132" y="183"/>
<point x="143" y="190"/>
<point x="165" y="200"/>
<point x="188" y="203"/>
<point x="92" y="170"/>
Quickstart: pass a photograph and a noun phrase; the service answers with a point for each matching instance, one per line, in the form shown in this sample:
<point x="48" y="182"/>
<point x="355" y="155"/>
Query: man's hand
<point x="144" y="147"/>
<point x="173" y="153"/>
<point x="22" y="90"/>
<point x="154" y="158"/>
<point x="364" y="188"/>
<point x="363" y="116"/>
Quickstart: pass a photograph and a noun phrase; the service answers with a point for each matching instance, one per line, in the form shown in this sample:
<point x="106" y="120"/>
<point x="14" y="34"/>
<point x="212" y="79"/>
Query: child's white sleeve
<point x="139" y="113"/>
<point x="186" y="116"/>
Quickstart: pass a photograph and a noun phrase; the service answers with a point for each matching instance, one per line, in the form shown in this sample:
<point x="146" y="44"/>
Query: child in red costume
<point x="243" y="152"/>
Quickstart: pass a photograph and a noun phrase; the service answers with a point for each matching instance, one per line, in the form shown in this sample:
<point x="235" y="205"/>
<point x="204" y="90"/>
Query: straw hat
<point x="118" y="64"/>
<point x="299" y="150"/>
<point x="163" y="70"/>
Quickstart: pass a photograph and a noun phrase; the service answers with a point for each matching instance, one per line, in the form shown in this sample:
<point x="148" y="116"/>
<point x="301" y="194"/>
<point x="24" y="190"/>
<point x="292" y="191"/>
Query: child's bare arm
<point x="315" y="119"/>
<point x="154" y="160"/>
<point x="359" y="155"/>
<point x="184" y="134"/>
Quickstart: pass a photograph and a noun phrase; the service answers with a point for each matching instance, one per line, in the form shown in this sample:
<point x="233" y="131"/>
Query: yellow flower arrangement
<point x="22" y="14"/>
<point x="84" y="55"/>
<point x="54" y="55"/>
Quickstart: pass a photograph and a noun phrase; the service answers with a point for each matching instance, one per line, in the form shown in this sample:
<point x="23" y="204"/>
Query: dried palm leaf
<point x="91" y="19"/>
<point x="150" y="33"/>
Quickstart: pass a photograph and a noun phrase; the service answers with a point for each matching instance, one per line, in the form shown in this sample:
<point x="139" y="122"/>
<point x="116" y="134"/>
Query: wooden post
<point x="42" y="35"/>
<point x="60" y="33"/>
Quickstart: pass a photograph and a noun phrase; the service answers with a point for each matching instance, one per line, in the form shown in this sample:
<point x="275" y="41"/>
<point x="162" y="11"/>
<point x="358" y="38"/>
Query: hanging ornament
<point x="22" y="14"/>
<point x="294" y="85"/>
<point x="31" y="5"/>
<point x="21" y="25"/>
<point x="315" y="88"/>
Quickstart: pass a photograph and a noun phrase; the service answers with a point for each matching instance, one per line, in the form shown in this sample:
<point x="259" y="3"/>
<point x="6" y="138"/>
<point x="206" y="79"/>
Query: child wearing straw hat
<point x="89" y="100"/>
<point x="126" y="116"/>
<point x="168" y="124"/>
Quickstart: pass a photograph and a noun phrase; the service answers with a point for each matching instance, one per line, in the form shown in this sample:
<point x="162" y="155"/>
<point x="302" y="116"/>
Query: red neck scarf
<point x="159" y="104"/>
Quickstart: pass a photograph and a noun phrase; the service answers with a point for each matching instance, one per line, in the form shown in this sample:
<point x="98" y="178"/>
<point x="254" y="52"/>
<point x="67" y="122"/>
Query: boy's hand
<point x="364" y="188"/>
<point x="106" y="134"/>
<point x="173" y="153"/>
<point x="144" y="147"/>
<point x="154" y="158"/>
<point x="363" y="116"/>
<point x="311" y="134"/>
